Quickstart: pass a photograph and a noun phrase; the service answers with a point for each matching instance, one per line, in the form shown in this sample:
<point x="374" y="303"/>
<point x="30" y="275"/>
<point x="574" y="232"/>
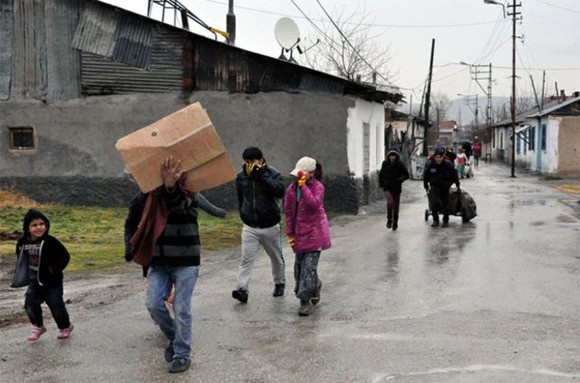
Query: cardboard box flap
<point x="187" y="134"/>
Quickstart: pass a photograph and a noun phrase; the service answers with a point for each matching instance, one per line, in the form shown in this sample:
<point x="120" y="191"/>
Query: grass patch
<point x="94" y="235"/>
<point x="552" y="177"/>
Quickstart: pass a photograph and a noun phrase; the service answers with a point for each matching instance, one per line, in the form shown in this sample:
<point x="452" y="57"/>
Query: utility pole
<point x="514" y="15"/>
<point x="482" y="72"/>
<point x="231" y="23"/>
<point x="427" y="101"/>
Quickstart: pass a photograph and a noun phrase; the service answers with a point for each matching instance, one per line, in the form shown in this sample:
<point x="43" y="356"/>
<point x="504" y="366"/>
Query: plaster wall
<point x="373" y="114"/>
<point x="569" y="146"/>
<point x="549" y="157"/>
<point x="75" y="141"/>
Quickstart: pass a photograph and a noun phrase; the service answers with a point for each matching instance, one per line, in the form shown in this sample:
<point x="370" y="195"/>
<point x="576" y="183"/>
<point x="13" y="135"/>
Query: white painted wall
<point x="550" y="156"/>
<point x="373" y="114"/>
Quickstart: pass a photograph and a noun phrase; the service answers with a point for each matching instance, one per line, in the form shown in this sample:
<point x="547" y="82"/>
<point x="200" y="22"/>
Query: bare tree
<point x="439" y="104"/>
<point x="355" y="52"/>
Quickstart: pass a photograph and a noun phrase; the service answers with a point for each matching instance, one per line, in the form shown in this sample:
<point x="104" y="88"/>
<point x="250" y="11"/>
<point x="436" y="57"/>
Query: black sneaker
<point x="241" y="295"/>
<point x="445" y="224"/>
<point x="179" y="365"/>
<point x="389" y="223"/>
<point x="306" y="308"/>
<point x="279" y="290"/>
<point x="169" y="353"/>
<point x="435" y="224"/>
<point x="316" y="298"/>
<point x="395" y="226"/>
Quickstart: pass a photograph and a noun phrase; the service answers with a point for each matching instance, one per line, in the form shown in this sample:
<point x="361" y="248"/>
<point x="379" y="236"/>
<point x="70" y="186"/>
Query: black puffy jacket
<point x="258" y="198"/>
<point x="440" y="176"/>
<point x="53" y="258"/>
<point x="392" y="175"/>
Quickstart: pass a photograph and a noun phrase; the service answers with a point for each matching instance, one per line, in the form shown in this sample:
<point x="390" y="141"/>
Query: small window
<point x="543" y="136"/>
<point x="21" y="138"/>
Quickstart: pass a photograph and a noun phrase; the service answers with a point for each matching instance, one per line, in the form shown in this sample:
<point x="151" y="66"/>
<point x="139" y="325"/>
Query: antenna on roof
<point x="185" y="14"/>
<point x="288" y="36"/>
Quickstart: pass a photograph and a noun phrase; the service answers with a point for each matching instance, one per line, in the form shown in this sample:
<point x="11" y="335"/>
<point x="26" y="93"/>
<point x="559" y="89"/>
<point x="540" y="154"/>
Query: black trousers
<point x="439" y="203"/>
<point x="36" y="295"/>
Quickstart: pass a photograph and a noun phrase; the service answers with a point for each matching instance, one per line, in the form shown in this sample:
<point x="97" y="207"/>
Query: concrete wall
<point x="75" y="161"/>
<point x="569" y="146"/>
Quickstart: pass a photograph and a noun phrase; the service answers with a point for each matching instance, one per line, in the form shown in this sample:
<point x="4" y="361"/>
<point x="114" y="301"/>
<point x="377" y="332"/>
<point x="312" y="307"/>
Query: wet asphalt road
<point x="494" y="300"/>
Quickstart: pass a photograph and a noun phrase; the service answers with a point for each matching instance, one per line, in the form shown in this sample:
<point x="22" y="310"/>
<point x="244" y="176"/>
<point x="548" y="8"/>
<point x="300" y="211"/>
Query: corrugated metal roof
<point x="97" y="30"/>
<point x="118" y="35"/>
<point x="6" y="35"/>
<point x="557" y="106"/>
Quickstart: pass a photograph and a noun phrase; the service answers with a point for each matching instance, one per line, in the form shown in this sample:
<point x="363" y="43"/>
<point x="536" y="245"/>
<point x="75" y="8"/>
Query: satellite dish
<point x="287" y="33"/>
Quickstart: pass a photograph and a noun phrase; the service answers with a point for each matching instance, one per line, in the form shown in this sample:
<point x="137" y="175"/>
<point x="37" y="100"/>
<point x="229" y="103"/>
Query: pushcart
<point x="461" y="204"/>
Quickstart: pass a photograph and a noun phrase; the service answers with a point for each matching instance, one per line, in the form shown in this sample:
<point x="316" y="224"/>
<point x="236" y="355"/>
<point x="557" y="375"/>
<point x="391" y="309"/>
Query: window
<point x="21" y="138"/>
<point x="543" y="136"/>
<point x="532" y="138"/>
<point x="366" y="147"/>
<point x="518" y="143"/>
<point x="501" y="140"/>
<point x="380" y="144"/>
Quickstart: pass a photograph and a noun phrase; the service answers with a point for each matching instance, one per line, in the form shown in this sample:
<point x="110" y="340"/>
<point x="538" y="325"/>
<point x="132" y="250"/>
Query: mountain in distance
<point x="463" y="114"/>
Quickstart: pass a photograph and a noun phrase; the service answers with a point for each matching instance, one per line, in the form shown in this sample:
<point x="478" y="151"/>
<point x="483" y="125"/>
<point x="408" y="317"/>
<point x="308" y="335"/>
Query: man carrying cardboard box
<point x="259" y="188"/>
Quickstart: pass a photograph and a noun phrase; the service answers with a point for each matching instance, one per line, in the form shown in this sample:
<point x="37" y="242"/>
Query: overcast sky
<point x="467" y="31"/>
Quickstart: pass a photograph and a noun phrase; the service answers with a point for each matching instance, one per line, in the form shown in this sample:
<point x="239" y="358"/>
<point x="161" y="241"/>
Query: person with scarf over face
<point x="391" y="177"/>
<point x="307" y="230"/>
<point x="259" y="188"/>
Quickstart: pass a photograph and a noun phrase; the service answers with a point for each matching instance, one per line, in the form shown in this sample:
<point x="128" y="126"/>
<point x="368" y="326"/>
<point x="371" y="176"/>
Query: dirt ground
<point x="97" y="289"/>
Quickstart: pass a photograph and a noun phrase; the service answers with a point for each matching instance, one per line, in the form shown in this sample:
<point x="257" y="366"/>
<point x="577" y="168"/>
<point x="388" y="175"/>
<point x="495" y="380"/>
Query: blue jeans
<point x="160" y="279"/>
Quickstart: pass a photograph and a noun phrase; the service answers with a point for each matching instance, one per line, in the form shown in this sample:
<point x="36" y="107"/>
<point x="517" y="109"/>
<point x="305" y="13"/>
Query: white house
<point x="553" y="139"/>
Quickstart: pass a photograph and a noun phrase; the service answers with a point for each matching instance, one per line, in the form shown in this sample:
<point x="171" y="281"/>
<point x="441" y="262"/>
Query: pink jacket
<point x="307" y="221"/>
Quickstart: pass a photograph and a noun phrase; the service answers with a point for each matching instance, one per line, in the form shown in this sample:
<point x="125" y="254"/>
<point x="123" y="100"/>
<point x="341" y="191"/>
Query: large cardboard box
<point x="187" y="134"/>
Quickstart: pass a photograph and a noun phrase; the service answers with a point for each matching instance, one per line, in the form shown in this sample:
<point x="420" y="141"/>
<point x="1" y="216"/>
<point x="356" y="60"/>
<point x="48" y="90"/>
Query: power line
<point x="350" y="44"/>
<point x="558" y="6"/>
<point x="530" y="68"/>
<point x="364" y="24"/>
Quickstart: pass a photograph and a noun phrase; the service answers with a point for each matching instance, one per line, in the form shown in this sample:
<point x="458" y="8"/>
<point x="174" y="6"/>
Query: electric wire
<point x="350" y="44"/>
<point x="363" y="24"/>
<point x="558" y="6"/>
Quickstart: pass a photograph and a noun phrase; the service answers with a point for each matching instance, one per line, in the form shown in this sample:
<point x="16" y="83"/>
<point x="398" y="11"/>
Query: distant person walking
<point x="391" y="177"/>
<point x="461" y="162"/>
<point x="438" y="177"/>
<point x="307" y="230"/>
<point x="259" y="188"/>
<point x="41" y="261"/>
<point x="476" y="151"/>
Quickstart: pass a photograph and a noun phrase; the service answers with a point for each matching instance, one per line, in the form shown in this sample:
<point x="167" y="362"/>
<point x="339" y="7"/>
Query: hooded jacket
<point x="52" y="260"/>
<point x="392" y="175"/>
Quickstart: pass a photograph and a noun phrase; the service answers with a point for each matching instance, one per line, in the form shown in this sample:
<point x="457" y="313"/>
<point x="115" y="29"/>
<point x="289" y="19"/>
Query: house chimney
<point x="563" y="94"/>
<point x="231" y="23"/>
<point x="577" y="94"/>
<point x="358" y="78"/>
